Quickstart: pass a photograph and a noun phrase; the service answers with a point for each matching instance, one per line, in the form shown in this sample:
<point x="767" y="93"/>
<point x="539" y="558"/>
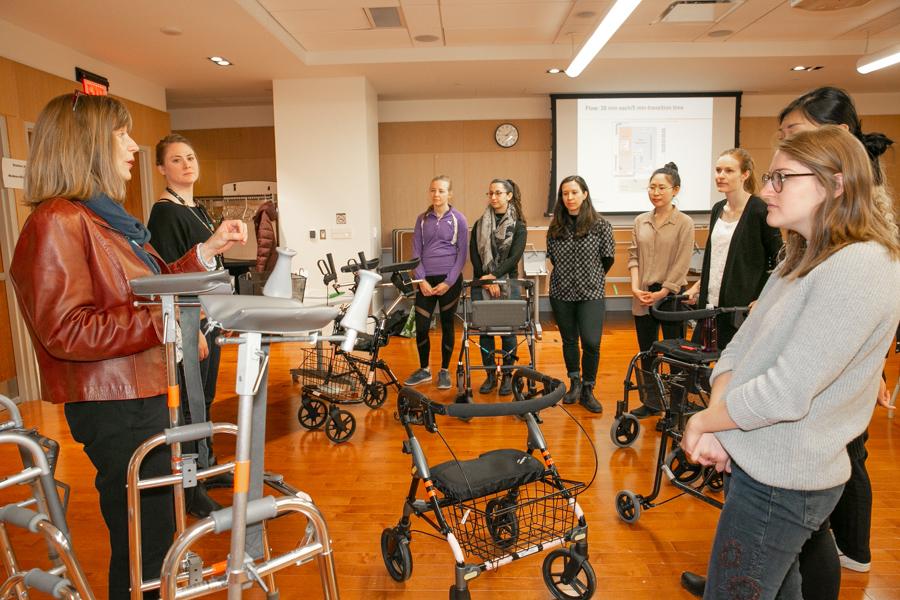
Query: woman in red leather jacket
<point x="98" y="353"/>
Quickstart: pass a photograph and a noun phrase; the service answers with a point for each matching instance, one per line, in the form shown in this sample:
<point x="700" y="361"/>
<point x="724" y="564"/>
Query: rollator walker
<point x="677" y="384"/>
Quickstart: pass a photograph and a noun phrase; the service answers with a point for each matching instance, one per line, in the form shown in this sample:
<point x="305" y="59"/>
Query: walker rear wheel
<point x="375" y="395"/>
<point x="684" y="471"/>
<point x="501" y="520"/>
<point x="716" y="482"/>
<point x="628" y="506"/>
<point x="312" y="413"/>
<point x="564" y="581"/>
<point x="625" y="429"/>
<point x="340" y="426"/>
<point x="396" y="554"/>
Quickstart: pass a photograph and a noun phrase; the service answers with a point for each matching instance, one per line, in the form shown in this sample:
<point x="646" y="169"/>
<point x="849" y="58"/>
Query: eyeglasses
<point x="777" y="179"/>
<point x="658" y="188"/>
<point x="492" y="194"/>
<point x="76" y="96"/>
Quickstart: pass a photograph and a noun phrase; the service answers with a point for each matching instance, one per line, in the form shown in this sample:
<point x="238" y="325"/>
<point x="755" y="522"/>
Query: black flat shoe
<point x="225" y="480"/>
<point x="645" y="412"/>
<point x="693" y="583"/>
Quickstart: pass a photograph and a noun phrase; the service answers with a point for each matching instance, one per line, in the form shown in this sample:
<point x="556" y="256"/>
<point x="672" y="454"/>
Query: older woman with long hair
<point x="99" y="354"/>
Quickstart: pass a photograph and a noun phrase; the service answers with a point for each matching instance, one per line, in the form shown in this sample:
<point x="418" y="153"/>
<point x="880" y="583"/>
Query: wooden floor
<point x="360" y="487"/>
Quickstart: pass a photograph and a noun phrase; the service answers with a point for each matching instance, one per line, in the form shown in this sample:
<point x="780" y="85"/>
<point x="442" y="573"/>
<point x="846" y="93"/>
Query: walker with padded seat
<point x="495" y="317"/>
<point x="677" y="385"/>
<point x="502" y="506"/>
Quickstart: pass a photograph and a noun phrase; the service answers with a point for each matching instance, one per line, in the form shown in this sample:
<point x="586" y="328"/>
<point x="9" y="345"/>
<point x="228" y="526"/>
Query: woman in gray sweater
<point x="797" y="381"/>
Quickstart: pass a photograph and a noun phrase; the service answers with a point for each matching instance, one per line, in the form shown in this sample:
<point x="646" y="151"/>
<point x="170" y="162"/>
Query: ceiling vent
<point x="697" y="11"/>
<point x="385" y="17"/>
<point x="825" y="5"/>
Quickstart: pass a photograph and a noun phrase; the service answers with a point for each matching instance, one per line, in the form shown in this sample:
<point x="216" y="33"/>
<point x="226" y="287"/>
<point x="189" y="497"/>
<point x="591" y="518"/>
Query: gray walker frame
<point x="43" y="514"/>
<point x="260" y="322"/>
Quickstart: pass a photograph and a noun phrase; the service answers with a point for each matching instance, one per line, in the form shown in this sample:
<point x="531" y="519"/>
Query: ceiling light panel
<point x="316" y="21"/>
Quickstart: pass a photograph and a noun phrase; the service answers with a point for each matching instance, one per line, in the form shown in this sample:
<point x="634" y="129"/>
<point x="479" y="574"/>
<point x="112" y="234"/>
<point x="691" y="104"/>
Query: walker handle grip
<point x="257" y="511"/>
<point x="21" y="517"/>
<point x="46" y="582"/>
<point x="188" y="433"/>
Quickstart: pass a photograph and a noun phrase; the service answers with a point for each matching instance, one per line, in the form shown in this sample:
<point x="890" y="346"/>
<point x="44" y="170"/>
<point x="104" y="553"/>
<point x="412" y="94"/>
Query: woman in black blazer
<point x="741" y="248"/>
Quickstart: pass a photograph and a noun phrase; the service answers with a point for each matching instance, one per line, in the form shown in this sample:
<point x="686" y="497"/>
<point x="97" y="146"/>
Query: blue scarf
<point x="119" y="219"/>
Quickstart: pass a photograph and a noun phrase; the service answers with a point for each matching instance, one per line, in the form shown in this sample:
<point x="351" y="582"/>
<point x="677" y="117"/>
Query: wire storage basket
<point x="515" y="520"/>
<point x="328" y="372"/>
<point x="253" y="282"/>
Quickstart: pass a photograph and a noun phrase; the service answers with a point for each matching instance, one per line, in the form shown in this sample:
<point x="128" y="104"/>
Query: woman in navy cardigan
<point x="741" y="248"/>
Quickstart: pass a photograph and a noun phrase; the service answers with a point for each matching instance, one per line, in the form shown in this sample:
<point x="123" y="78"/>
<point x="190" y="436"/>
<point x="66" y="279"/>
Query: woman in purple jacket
<point x="441" y="241"/>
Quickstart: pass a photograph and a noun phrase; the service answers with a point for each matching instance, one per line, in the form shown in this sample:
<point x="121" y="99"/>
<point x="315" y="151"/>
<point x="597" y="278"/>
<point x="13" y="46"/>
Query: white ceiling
<point x="483" y="48"/>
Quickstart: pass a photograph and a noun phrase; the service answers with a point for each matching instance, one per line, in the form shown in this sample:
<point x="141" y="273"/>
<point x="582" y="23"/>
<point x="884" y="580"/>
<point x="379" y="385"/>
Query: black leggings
<point x="647" y="328"/>
<point x="424" y="309"/>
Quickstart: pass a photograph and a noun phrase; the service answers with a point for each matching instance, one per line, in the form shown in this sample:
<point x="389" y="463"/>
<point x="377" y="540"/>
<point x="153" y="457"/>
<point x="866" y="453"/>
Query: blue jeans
<point x="758" y="540"/>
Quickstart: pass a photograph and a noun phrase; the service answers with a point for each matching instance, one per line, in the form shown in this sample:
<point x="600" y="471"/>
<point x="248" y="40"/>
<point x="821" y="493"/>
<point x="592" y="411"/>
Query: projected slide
<point x="621" y="141"/>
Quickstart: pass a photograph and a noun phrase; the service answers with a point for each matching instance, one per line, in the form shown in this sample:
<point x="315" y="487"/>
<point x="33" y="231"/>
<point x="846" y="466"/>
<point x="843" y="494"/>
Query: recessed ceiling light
<point x="799" y="68"/>
<point x="171" y="30"/>
<point x="719" y="33"/>
<point x="807" y="69"/>
<point x="554" y="70"/>
<point x="586" y="14"/>
<point x="222" y="62"/>
<point x="426" y="37"/>
<point x="216" y="58"/>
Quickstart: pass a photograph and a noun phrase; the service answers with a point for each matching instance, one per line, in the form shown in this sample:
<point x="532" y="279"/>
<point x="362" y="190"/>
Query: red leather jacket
<point x="70" y="271"/>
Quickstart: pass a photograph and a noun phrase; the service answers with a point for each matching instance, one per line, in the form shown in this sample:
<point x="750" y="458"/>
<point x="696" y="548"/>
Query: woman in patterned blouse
<point x="581" y="249"/>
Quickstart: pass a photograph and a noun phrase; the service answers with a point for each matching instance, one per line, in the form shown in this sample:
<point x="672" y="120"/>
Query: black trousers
<point x="580" y="320"/>
<point x="424" y="309"/>
<point x="647" y="328"/>
<point x="850" y="522"/>
<point x="110" y="432"/>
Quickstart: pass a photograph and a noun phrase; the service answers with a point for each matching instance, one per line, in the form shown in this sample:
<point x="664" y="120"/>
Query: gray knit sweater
<point x="806" y="367"/>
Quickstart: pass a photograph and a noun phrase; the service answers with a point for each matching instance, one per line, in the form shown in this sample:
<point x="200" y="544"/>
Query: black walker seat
<point x="677" y="384"/>
<point x="330" y="377"/>
<point x="499" y="507"/>
<point x="495" y="317"/>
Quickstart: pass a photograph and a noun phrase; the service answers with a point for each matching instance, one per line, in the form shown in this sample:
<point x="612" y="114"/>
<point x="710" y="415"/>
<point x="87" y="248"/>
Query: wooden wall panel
<point x="412" y="153"/>
<point x="226" y="155"/>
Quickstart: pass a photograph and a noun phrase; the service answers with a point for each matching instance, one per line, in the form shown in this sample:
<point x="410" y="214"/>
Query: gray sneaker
<point x="444" y="380"/>
<point x="418" y="376"/>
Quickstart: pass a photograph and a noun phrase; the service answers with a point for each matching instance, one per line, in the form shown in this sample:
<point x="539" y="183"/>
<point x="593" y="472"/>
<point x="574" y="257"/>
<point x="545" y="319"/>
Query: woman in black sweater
<point x="741" y="248"/>
<point x="177" y="223"/>
<point x="496" y="247"/>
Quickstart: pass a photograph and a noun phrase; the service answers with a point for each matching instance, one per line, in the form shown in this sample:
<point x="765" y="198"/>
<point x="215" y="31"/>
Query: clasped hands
<point x="703" y="447"/>
<point x="649" y="298"/>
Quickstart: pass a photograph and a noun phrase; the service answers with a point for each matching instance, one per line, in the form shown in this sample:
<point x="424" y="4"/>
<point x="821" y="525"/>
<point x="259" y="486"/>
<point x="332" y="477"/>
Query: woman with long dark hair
<point x="496" y="248"/>
<point x="581" y="248"/>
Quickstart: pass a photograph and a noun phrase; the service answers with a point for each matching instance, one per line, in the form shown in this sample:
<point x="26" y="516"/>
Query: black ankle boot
<point x="198" y="503"/>
<point x="489" y="384"/>
<point x="693" y="583"/>
<point x="574" y="392"/>
<point x="506" y="384"/>
<point x="587" y="399"/>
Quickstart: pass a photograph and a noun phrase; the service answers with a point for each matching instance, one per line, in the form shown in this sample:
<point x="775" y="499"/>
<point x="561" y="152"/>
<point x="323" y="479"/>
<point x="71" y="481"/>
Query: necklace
<point x="203" y="217"/>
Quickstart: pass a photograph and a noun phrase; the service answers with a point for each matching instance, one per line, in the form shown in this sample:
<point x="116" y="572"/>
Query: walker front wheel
<point x="340" y="426"/>
<point x="625" y="429"/>
<point x="312" y="413"/>
<point x="567" y="580"/>
<point x="396" y="554"/>
<point x="628" y="506"/>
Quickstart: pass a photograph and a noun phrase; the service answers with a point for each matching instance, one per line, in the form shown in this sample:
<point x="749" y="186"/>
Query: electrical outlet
<point x="312" y="234"/>
<point x="321" y="234"/>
